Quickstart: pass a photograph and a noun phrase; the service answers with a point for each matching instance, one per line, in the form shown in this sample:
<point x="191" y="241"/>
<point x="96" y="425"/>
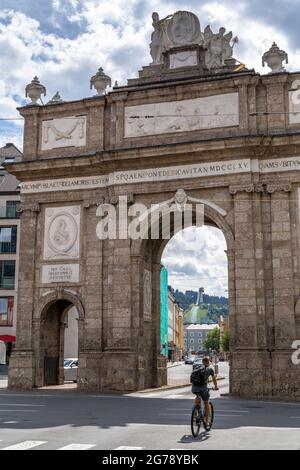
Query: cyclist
<point x="202" y="391"/>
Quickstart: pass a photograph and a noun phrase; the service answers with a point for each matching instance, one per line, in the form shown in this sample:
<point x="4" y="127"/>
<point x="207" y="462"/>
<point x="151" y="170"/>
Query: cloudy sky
<point x="64" y="42"/>
<point x="196" y="258"/>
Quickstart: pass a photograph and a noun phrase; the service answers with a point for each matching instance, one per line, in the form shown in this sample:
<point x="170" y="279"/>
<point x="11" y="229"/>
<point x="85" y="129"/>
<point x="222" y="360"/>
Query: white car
<point x="71" y="369"/>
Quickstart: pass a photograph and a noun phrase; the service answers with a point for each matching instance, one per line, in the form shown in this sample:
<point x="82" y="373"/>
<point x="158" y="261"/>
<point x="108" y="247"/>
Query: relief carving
<point x="61" y="239"/>
<point x="147" y="294"/>
<point x="65" y="132"/>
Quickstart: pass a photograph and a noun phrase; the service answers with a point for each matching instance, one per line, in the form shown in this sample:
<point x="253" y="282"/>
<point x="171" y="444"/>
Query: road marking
<point x="177" y="396"/>
<point x="77" y="447"/>
<point x="230" y="411"/>
<point x="147" y="395"/>
<point x="107" y="396"/>
<point x="25" y="445"/>
<point x="29" y="395"/>
<point x="128" y="448"/>
<point x="17" y="404"/>
<point x="19" y="411"/>
<point x="178" y="409"/>
<point x="10" y="422"/>
<point x="294" y="417"/>
<point x="216" y="411"/>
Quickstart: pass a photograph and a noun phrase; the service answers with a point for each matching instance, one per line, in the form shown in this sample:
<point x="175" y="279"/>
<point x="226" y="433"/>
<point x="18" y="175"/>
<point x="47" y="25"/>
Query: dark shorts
<point x="203" y="392"/>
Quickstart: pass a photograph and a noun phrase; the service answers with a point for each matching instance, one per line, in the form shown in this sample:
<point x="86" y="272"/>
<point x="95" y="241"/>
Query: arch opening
<point x="194" y="285"/>
<point x="59" y="337"/>
<point x="166" y="348"/>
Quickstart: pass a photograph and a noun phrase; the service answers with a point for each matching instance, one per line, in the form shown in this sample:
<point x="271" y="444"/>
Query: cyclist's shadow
<point x="189" y="439"/>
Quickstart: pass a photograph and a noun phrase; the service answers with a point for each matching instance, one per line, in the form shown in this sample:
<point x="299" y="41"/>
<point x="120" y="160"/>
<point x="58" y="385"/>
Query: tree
<point x="225" y="340"/>
<point x="213" y="340"/>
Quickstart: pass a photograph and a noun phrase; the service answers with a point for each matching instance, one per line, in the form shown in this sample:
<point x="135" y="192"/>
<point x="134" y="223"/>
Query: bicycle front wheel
<point x="195" y="421"/>
<point x="208" y="425"/>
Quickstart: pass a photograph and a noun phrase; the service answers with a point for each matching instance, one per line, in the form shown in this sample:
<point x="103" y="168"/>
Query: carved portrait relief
<point x="184" y="28"/>
<point x="61" y="236"/>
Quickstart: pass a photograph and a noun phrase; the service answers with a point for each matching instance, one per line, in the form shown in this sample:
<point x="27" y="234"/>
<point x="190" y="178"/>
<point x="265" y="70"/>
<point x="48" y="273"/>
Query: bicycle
<point x="198" y="414"/>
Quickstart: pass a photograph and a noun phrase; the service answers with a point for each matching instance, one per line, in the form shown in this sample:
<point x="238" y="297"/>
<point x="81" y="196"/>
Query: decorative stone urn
<point x="274" y="58"/>
<point x="100" y="82"/>
<point x="35" y="90"/>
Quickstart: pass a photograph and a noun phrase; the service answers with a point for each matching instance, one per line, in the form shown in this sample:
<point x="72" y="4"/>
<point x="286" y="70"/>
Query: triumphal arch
<point x="196" y="125"/>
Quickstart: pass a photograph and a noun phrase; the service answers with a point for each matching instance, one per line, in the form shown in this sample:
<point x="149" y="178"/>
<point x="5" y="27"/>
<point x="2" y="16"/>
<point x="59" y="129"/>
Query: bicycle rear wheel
<point x="196" y="421"/>
<point x="208" y="426"/>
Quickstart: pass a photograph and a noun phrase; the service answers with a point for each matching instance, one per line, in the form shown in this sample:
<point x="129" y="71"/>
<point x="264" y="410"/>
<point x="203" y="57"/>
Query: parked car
<point x="189" y="360"/>
<point x="197" y="362"/>
<point x="71" y="369"/>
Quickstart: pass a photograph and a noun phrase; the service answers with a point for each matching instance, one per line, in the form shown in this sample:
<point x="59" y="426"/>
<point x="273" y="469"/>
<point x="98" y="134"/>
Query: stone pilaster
<point x="275" y="99"/>
<point x="92" y="265"/>
<point x="249" y="359"/>
<point x="22" y="365"/>
<point x="281" y="239"/>
<point x="245" y="267"/>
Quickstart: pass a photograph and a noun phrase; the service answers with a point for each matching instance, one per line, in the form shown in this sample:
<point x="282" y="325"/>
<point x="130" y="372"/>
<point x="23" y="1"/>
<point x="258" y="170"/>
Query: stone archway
<point x="144" y="141"/>
<point x="147" y="254"/>
<point x="50" y="322"/>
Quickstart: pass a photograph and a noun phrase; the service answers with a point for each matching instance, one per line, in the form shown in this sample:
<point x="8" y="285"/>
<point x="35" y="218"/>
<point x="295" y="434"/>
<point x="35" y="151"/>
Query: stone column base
<point x="160" y="373"/>
<point x="266" y="374"/>
<point x="116" y="371"/>
<point x="21" y="372"/>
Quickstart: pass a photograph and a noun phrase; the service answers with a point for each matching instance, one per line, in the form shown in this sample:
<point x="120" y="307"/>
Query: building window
<point x="192" y="334"/>
<point x="191" y="340"/>
<point x="6" y="311"/>
<point x="7" y="274"/>
<point x="11" y="210"/>
<point x="8" y="239"/>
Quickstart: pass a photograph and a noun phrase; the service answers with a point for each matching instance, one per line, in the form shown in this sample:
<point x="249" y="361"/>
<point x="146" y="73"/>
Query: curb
<point x="166" y="387"/>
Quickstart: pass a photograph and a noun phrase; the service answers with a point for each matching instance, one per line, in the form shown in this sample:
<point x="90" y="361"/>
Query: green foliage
<point x="225" y="340"/>
<point x="213" y="340"/>
<point x="189" y="298"/>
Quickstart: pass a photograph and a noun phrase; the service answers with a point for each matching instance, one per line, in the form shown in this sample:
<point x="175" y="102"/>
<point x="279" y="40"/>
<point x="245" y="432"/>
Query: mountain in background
<point x="208" y="312"/>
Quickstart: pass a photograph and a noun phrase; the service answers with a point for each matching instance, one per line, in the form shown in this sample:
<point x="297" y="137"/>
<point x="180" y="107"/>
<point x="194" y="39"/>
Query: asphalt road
<point x="51" y="419"/>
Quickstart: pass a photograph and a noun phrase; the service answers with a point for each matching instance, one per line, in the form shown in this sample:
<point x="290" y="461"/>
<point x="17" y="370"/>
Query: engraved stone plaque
<point x="183" y="59"/>
<point x="62" y="230"/>
<point x="60" y="273"/>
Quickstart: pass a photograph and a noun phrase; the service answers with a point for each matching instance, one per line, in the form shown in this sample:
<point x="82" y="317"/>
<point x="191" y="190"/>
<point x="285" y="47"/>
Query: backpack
<point x="198" y="376"/>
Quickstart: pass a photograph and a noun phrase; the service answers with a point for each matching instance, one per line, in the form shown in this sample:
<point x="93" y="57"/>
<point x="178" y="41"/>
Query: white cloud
<point x="115" y="35"/>
<point x="64" y="42"/>
<point x="196" y="258"/>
